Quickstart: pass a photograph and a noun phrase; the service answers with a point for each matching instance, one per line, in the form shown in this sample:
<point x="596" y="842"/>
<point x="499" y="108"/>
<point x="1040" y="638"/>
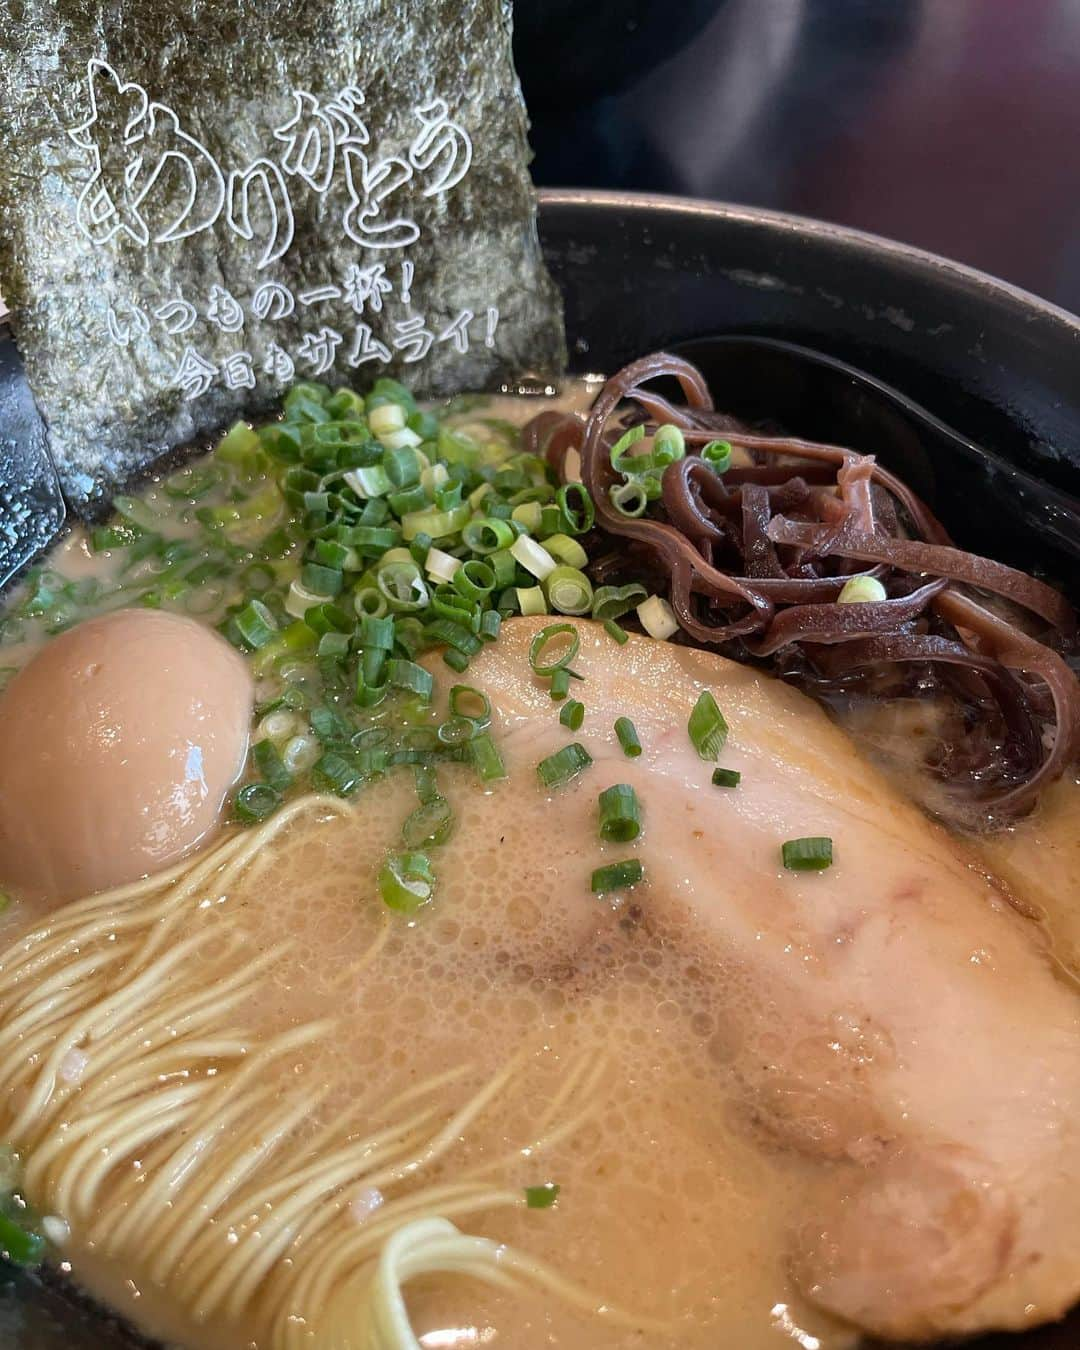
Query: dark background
<point x="950" y="124"/>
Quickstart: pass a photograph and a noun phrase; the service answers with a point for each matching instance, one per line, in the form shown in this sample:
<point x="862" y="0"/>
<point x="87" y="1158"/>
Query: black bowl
<point x="640" y="272"/>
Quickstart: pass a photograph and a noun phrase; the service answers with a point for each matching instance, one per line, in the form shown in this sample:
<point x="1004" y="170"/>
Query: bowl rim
<point x="846" y="236"/>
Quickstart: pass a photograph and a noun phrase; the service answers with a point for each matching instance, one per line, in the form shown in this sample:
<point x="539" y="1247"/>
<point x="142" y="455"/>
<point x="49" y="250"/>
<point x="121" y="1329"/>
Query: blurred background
<point x="950" y="124"/>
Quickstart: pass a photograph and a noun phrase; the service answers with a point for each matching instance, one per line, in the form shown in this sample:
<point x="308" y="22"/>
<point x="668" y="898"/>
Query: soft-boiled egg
<point x="121" y="739"/>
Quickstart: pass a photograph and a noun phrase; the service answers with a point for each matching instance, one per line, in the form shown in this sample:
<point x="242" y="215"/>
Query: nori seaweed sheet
<point x="201" y="202"/>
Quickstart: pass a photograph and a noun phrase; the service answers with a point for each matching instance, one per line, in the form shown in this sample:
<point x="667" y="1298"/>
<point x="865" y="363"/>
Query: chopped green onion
<point x="5" y="901"/>
<point x="453" y="634"/>
<point x="540" y="662"/>
<point x="329" y="725"/>
<point x="466" y="701"/>
<point x="531" y="600"/>
<point x="438" y="524"/>
<point x="628" y="737"/>
<point x="255" y="802"/>
<point x="812" y="854"/>
<point x="334" y="772"/>
<point x="441" y="566"/>
<point x="572" y="714"/>
<point x="256" y="624"/>
<point x="580" y="518"/>
<point x="532" y="556"/>
<point x="620" y="814"/>
<point x="474" y="579"/>
<point x="726" y="778"/>
<point x="707" y="727"/>
<point x="560" y="684"/>
<point x="541" y="1197"/>
<point x="408" y="675"/>
<point x="490" y="623"/>
<point x="271" y="766"/>
<point x="621" y="461"/>
<point x="669" y="445"/>
<point x="487" y="535"/>
<point x="658" y="618"/>
<point x="617" y="876"/>
<point x="300" y="599"/>
<point x="371" y="481"/>
<point x="367" y="600"/>
<point x="569" y="591"/>
<point x="566" y="550"/>
<point x="406" y="882"/>
<point x="323" y="581"/>
<point x="387" y="417"/>
<point x="430" y="823"/>
<point x="612" y="629"/>
<point x="529" y="515"/>
<point x="629" y="498"/>
<point x="376" y="632"/>
<point x="612" y="602"/>
<point x="504" y="566"/>
<point x="717" y="455"/>
<point x="862" y="591"/>
<point x="19" y="1244"/>
<point x="401" y="587"/>
<point x="457" y="661"/>
<point x="485" y="756"/>
<point x="372" y="660"/>
<point x="558" y="769"/>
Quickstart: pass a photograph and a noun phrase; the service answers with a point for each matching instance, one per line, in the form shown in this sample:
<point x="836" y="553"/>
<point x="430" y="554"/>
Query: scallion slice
<point x="430" y="823"/>
<point x="572" y="714"/>
<point x="533" y="557"/>
<point x="629" y="498"/>
<point x="862" y="591"/>
<point x="707" y="727"/>
<point x="566" y="550"/>
<point x="541" y="1197"/>
<point x="487" y="535"/>
<point x="256" y="624"/>
<point x="558" y="769"/>
<point x="569" y="591"/>
<point x="376" y="632"/>
<point x="485" y="756"/>
<point x="617" y="876"/>
<point x="467" y="701"/>
<point x="531" y="600"/>
<point x="612" y="629"/>
<point x="658" y="618"/>
<point x="811" y="854"/>
<point x="576" y="507"/>
<point x="475" y="580"/>
<point x="717" y="455"/>
<point x="726" y="778"/>
<point x="267" y="760"/>
<point x="541" y="661"/>
<point x="441" y="566"/>
<point x="612" y="602"/>
<point x="408" y="675"/>
<point x="255" y="802"/>
<point x="560" y="684"/>
<point x="669" y="445"/>
<point x="406" y="882"/>
<point x="620" y="814"/>
<point x="628" y="737"/>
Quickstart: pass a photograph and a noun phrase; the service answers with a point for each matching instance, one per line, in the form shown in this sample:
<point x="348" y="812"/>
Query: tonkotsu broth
<point x="670" y="1206"/>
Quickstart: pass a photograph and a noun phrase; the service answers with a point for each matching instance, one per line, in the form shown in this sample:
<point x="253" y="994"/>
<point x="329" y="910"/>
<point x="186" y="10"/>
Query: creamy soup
<point x="233" y="1087"/>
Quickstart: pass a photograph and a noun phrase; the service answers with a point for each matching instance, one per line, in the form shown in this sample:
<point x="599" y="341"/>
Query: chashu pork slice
<point x="935" y="1060"/>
